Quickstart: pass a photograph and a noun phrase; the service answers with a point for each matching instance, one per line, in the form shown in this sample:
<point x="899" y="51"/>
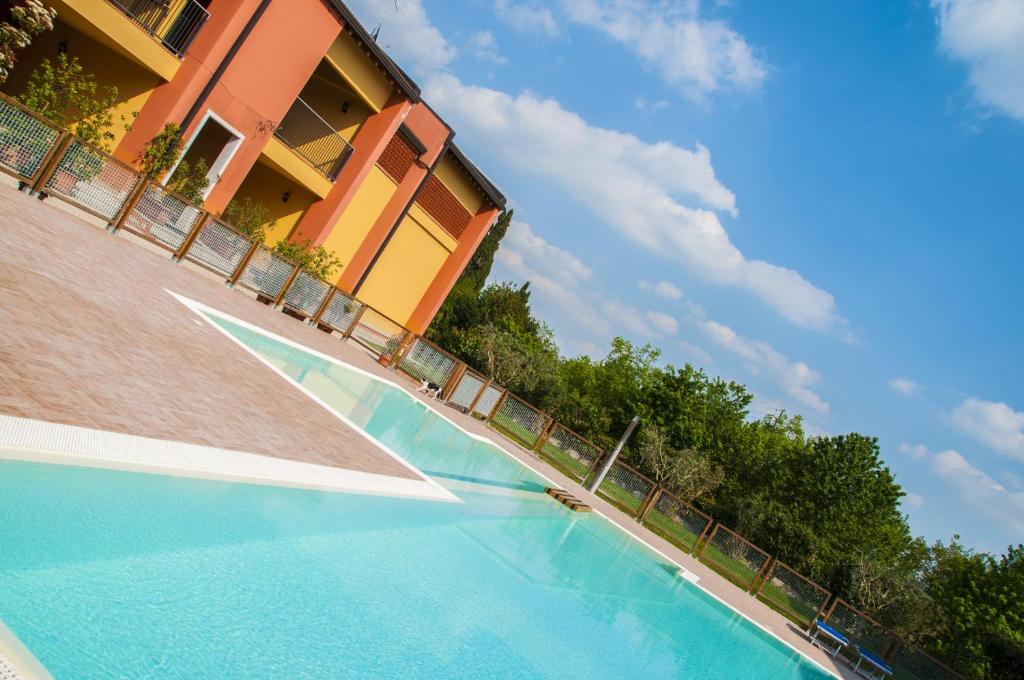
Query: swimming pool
<point x="119" y="574"/>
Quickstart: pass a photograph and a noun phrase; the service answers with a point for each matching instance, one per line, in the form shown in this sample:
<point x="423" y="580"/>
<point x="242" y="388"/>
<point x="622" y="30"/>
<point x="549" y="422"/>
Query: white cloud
<point x="912" y="500"/>
<point x="484" y="46"/>
<point x="559" y="277"/>
<point x="643" y="105"/>
<point x="696" y="56"/>
<point x="427" y="53"/>
<point x="527" y="17"/>
<point x="795" y="378"/>
<point x="663" y="288"/>
<point x="695" y="352"/>
<point x="903" y="386"/>
<point x="989" y="36"/>
<point x="994" y="424"/>
<point x="632" y="186"/>
<point x="663" y="322"/>
<point x="981" y="491"/>
<point x="914" y="451"/>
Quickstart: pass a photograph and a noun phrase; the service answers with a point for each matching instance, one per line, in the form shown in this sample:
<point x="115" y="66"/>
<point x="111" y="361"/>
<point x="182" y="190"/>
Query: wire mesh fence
<point x="859" y="627"/>
<point x="266" y="273"/>
<point x="466" y="390"/>
<point x="341" y="313"/>
<point x="911" y="663"/>
<point x="733" y="556"/>
<point x="218" y="247"/>
<point x="625" y="488"/>
<point x="569" y="452"/>
<point x="162" y="217"/>
<point x="519" y="421"/>
<point x="488" y="400"/>
<point x="424" y="361"/>
<point x="25" y="141"/>
<point x="306" y="294"/>
<point x="378" y="333"/>
<point x="678" y="522"/>
<point x="92" y="180"/>
<point x="794" y="595"/>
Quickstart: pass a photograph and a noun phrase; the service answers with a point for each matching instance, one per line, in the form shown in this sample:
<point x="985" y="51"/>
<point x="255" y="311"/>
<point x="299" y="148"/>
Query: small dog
<point x="431" y="389"/>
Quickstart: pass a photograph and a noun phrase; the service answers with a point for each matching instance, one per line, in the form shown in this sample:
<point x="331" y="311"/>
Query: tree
<point x="479" y="266"/>
<point x="68" y="95"/>
<point x="162" y="151"/>
<point x="688" y="474"/>
<point x="27" y="22"/>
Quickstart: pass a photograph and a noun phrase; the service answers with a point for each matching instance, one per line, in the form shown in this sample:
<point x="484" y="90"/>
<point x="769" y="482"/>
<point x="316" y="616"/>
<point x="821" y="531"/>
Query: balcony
<point x="174" y="23"/>
<point x="315" y="140"/>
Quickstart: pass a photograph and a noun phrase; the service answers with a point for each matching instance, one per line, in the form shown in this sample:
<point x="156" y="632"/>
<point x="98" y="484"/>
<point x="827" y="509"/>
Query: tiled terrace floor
<point x="88" y="336"/>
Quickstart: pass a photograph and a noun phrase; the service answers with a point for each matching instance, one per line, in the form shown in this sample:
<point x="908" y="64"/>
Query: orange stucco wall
<point x="258" y="87"/>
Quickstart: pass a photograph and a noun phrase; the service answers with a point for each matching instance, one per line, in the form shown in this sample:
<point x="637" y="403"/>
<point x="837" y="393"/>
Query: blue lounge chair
<point x="827" y="637"/>
<point x="874" y="668"/>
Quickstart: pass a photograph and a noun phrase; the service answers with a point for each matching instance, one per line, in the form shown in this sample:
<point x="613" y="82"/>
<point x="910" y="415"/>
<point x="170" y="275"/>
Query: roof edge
<point x="409" y="88"/>
<point x="491" y="191"/>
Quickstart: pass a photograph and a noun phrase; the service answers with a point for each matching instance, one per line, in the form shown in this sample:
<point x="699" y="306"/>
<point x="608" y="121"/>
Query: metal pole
<point x="614" y="454"/>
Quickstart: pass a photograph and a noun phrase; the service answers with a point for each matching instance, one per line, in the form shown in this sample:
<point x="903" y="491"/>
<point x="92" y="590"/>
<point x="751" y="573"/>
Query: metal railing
<point x="306" y="133"/>
<point x="175" y="23"/>
<point x="53" y="162"/>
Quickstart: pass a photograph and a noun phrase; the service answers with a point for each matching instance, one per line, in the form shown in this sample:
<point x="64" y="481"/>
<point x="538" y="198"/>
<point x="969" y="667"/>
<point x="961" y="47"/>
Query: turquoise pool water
<point x="116" y="574"/>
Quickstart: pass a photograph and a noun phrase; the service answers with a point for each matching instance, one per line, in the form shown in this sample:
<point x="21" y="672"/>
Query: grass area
<point x="564" y="462"/>
<point x="620" y="498"/>
<point x="670" y="529"/>
<point x="737" y="571"/>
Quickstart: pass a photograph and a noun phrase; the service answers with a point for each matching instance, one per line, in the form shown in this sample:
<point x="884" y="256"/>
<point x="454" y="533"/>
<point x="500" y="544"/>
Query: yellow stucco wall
<point x="357" y="220"/>
<point x="266" y="186"/>
<point x="134" y="83"/>
<point x="455" y="178"/>
<point x="405" y="270"/>
<point x="328" y="100"/>
<point x="106" y="24"/>
<point x="362" y="74"/>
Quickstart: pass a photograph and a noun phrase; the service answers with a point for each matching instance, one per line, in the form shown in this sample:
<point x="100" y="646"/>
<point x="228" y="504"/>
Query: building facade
<point x="292" y="105"/>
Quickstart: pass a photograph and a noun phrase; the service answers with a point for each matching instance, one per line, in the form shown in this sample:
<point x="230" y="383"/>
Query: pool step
<point x="568" y="500"/>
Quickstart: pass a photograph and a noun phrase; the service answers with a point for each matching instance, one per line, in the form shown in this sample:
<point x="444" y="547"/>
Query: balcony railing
<point x="175" y="23"/>
<point x="313" y="138"/>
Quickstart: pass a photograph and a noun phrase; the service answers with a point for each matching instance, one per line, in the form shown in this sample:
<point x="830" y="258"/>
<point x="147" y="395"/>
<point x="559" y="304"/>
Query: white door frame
<point x="223" y="158"/>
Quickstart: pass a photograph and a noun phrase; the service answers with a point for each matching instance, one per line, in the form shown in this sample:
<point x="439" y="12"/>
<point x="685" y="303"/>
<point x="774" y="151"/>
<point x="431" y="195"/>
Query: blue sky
<point x="824" y="201"/>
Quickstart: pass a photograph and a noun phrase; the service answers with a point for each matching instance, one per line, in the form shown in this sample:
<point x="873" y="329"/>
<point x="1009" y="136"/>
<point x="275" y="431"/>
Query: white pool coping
<point x="38" y="441"/>
<point x="16" y="661"/>
<point x="203" y="310"/>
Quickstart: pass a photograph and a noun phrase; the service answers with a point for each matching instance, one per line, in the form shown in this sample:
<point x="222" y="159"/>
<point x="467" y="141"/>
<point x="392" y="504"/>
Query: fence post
<point x="545" y="433"/>
<point x="831" y="609"/>
<point x="52" y="163"/>
<point x="126" y="209"/>
<point x="190" y="239"/>
<point x="497" y="405"/>
<point x="649" y="502"/>
<point x="59" y="145"/>
<point x="355" y="322"/>
<point x="820" y="614"/>
<point x="700" y="553"/>
<point x="762" y="576"/>
<point x="287" y="284"/>
<point x="403" y="347"/>
<point x="315" y="319"/>
<point x="453" y="382"/>
<point x="242" y="264"/>
<point x="472" y="404"/>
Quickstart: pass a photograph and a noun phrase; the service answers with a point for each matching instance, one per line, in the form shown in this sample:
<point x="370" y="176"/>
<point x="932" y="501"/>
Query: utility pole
<point x="614" y="454"/>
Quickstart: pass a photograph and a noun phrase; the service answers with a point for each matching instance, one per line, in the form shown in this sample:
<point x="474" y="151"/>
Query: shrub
<point x="190" y="180"/>
<point x="248" y="216"/>
<point x="162" y="151"/>
<point x="68" y="95"/>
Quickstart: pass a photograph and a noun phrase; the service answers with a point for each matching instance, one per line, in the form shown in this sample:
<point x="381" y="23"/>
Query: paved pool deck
<point x="90" y="337"/>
